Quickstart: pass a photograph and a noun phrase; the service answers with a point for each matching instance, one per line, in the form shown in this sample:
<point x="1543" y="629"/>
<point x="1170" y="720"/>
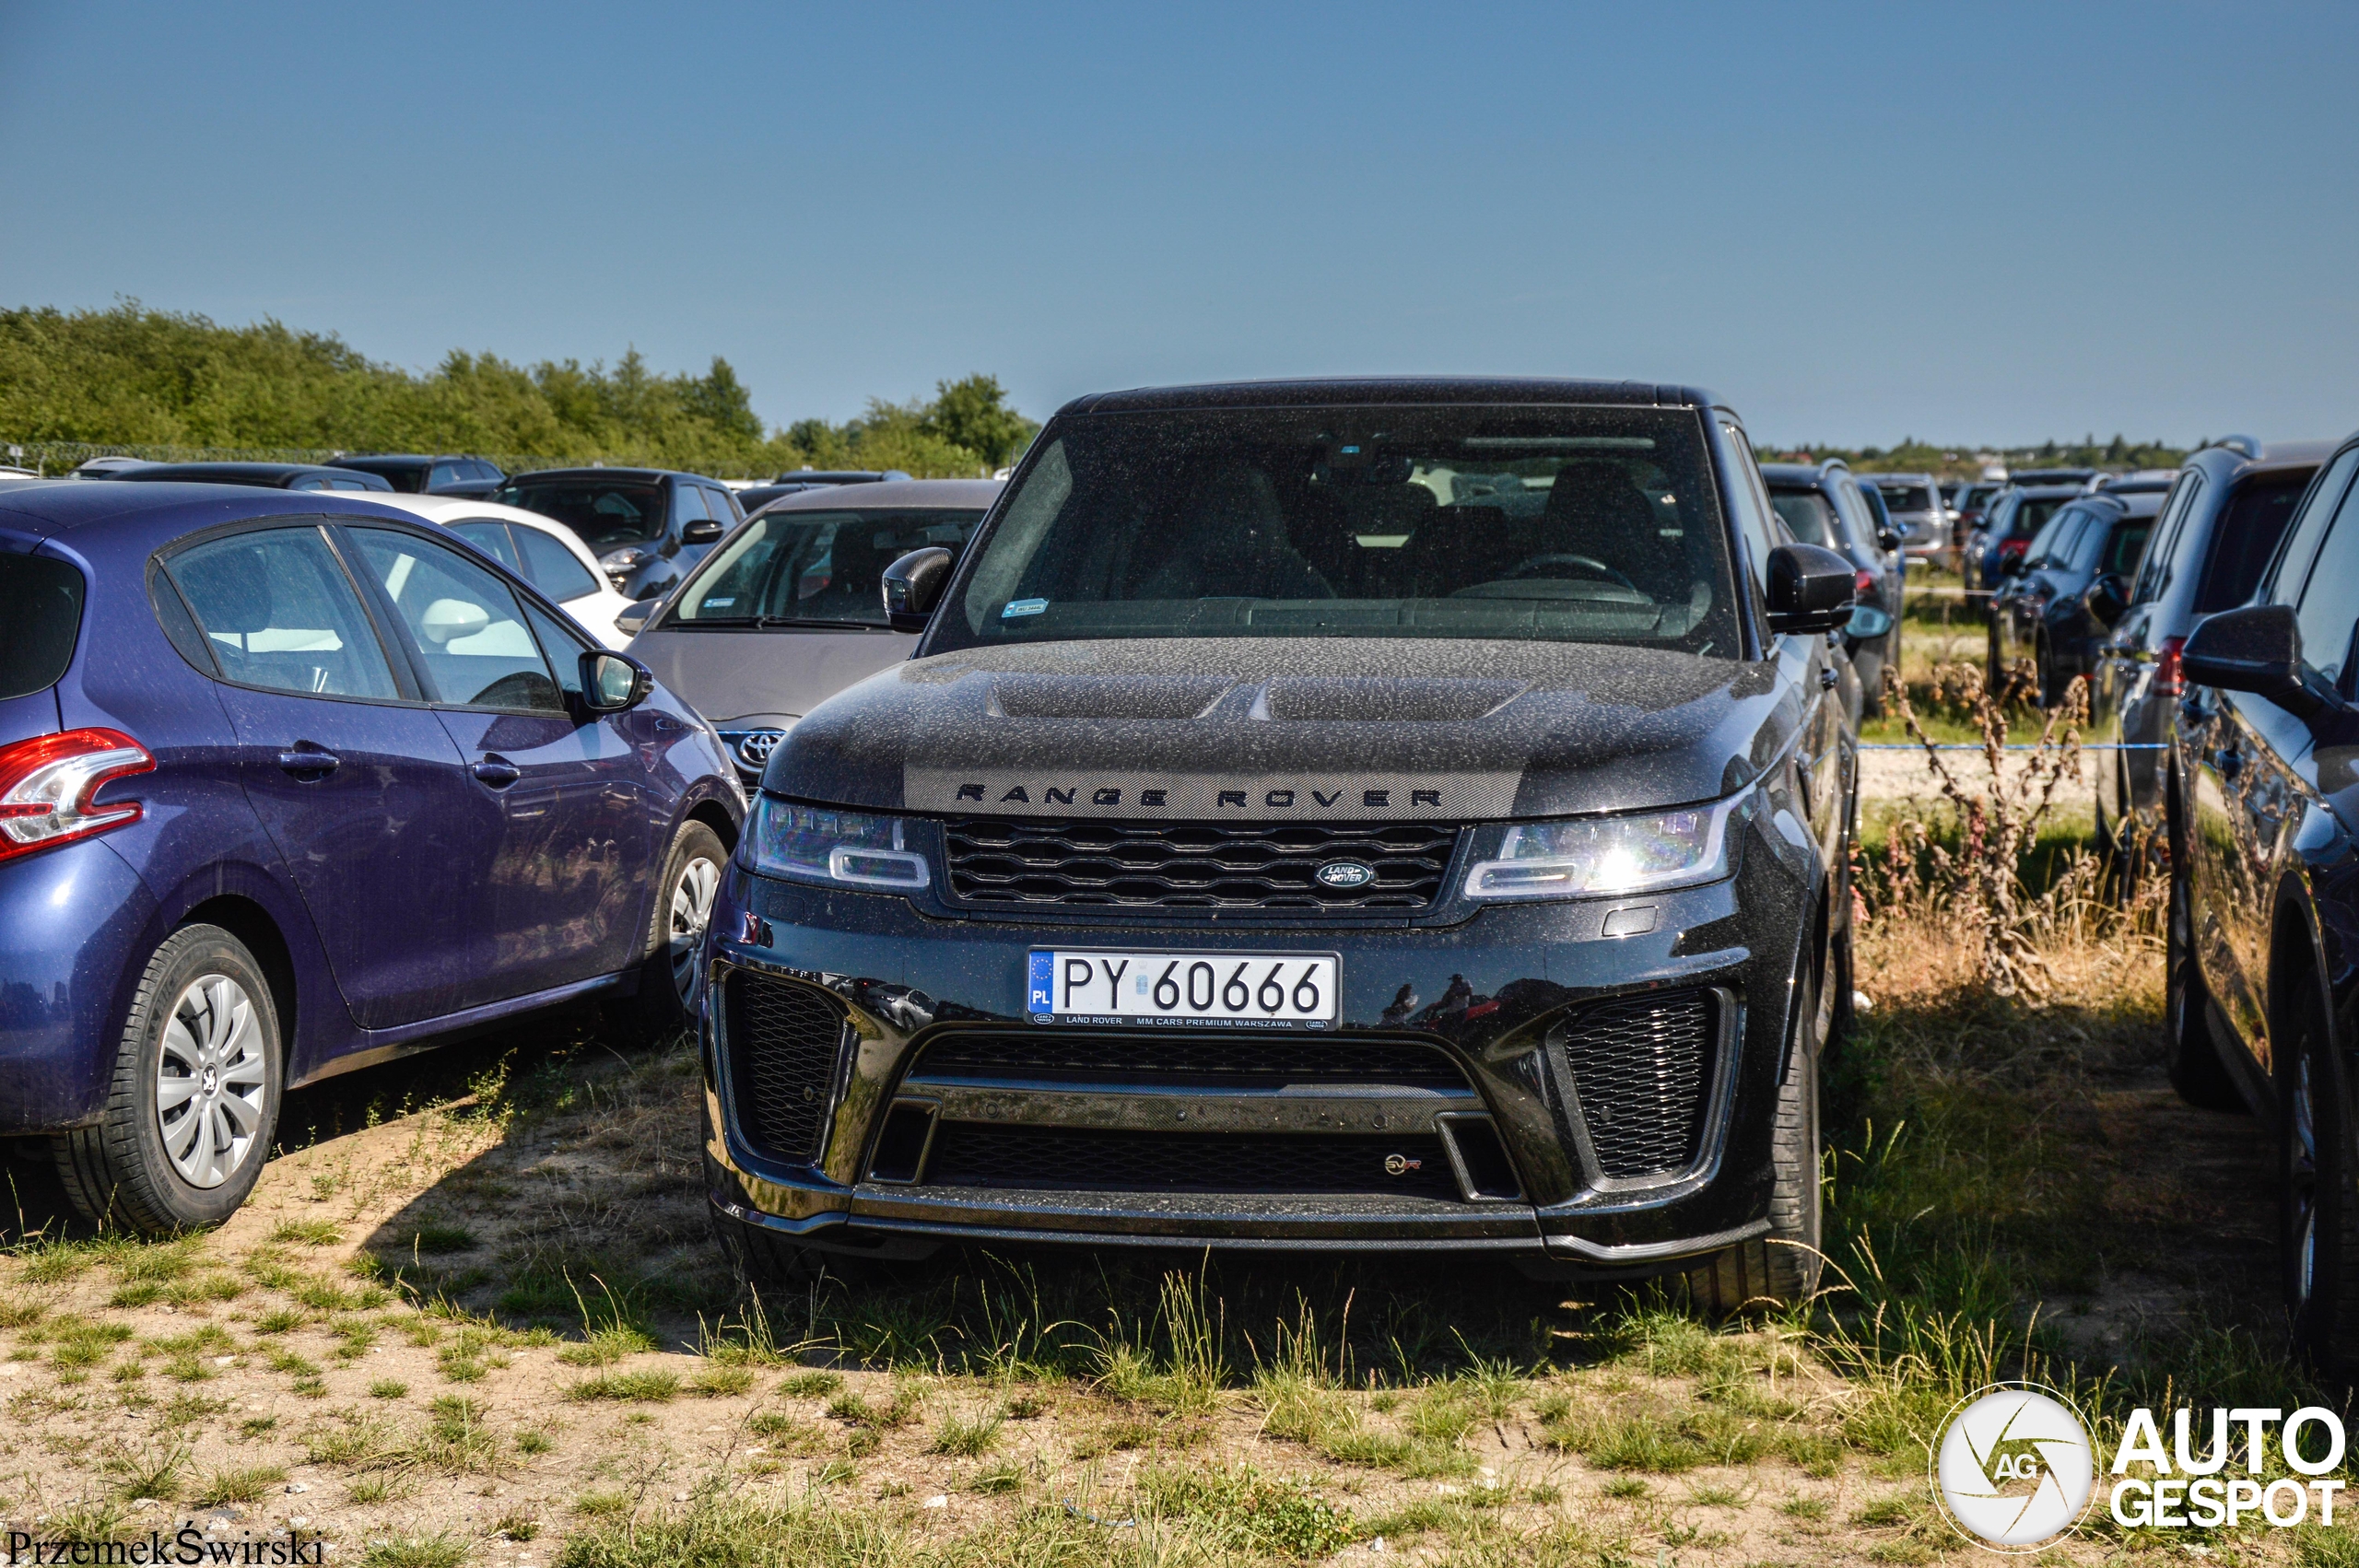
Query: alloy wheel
<point x="210" y="1080"/>
<point x="691" y="912"/>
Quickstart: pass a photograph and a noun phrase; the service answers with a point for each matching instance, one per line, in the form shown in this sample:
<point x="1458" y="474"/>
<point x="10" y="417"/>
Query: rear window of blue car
<point x="41" y="603"/>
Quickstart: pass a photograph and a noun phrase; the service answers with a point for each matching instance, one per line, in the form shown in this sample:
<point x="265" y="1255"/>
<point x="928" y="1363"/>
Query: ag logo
<point x="2013" y="1468"/>
<point x="1344" y="874"/>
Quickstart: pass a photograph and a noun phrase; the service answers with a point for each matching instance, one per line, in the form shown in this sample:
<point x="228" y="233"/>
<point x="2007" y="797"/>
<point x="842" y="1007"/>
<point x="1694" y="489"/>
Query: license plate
<point x="1271" y="989"/>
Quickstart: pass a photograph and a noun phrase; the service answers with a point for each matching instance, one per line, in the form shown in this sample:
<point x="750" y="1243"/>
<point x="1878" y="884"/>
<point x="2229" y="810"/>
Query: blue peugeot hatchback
<point x="293" y="785"/>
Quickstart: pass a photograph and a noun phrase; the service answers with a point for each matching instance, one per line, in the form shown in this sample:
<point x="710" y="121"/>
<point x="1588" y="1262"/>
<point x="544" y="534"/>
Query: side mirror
<point x="632" y="621"/>
<point x="2011" y="565"/>
<point x="1887" y="540"/>
<point x="703" y="530"/>
<point x="2256" y="648"/>
<point x="2108" y="597"/>
<point x="913" y="586"/>
<point x="614" y="683"/>
<point x="1810" y="589"/>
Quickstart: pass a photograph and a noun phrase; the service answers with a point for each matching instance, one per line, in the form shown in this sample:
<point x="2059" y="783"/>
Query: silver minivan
<point x="788" y="609"/>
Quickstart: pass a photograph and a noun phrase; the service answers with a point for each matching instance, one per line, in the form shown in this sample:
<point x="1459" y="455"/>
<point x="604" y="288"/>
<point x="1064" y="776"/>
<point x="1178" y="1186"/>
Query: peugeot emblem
<point x="756" y="748"/>
<point x="1344" y="874"/>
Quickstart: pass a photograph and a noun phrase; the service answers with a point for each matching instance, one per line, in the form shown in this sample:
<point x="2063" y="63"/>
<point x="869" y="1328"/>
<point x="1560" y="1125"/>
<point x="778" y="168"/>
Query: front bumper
<point x="1489" y="994"/>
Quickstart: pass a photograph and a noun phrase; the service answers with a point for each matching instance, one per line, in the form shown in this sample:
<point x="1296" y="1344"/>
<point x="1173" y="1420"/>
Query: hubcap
<point x="2304" y="1187"/>
<point x="691" y="912"/>
<point x="210" y="1080"/>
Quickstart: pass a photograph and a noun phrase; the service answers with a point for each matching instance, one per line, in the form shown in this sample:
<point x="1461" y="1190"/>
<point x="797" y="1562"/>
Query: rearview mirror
<point x="1887" y="540"/>
<point x="703" y="530"/>
<point x="2108" y="597"/>
<point x="1810" y="589"/>
<point x="2256" y="649"/>
<point x="914" y="585"/>
<point x="633" y="620"/>
<point x="613" y="683"/>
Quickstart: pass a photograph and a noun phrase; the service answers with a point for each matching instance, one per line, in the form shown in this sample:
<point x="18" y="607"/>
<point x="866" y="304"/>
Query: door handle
<point x="308" y="758"/>
<point x="497" y="771"/>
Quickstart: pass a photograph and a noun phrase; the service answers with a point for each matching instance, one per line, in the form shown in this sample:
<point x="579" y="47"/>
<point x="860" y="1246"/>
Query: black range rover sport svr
<point x="1390" y="814"/>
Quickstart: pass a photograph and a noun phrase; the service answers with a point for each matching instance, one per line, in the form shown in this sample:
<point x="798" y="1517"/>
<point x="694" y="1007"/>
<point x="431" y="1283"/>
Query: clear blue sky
<point x="1961" y="222"/>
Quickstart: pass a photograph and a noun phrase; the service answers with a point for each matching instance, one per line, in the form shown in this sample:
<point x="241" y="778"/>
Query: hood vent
<point x="1105" y="696"/>
<point x="1380" y="701"/>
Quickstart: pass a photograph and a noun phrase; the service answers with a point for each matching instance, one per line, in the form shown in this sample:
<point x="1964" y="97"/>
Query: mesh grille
<point x="1182" y="1059"/>
<point x="970" y="1153"/>
<point x="1640" y="1066"/>
<point x="782" y="1043"/>
<point x="1194" y="865"/>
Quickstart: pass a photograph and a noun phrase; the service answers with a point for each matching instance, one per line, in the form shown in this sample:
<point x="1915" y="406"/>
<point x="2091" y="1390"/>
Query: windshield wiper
<point x="766" y="622"/>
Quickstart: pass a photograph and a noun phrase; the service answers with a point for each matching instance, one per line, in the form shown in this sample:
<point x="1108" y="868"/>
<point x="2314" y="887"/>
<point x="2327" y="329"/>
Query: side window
<point x="721" y="507"/>
<point x="2329" y="603"/>
<point x="491" y="538"/>
<point x="687" y="504"/>
<point x="563" y="646"/>
<point x="2292" y="567"/>
<point x="1855" y="514"/>
<point x="2155" y="575"/>
<point x="478" y="469"/>
<point x="466" y="627"/>
<point x="1752" y="511"/>
<point x="552" y="568"/>
<point x="278" y="611"/>
<point x="310" y="482"/>
<point x="443" y="473"/>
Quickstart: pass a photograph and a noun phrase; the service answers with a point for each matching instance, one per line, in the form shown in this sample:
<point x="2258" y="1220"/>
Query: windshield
<point x="814" y="566"/>
<point x="605" y="513"/>
<point x="2031" y="516"/>
<point x="1807" y="514"/>
<point x="2243" y="540"/>
<point x="1906" y="497"/>
<point x="1562" y="524"/>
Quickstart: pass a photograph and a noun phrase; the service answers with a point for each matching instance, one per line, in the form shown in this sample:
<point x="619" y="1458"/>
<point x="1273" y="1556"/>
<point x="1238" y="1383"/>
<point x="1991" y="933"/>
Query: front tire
<point x="671" y="975"/>
<point x="2190" y="1053"/>
<point x="2317" y="1213"/>
<point x="193" y="1104"/>
<point x="1782" y="1268"/>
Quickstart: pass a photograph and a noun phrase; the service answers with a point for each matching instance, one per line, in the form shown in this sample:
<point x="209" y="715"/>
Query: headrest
<point x="229" y="590"/>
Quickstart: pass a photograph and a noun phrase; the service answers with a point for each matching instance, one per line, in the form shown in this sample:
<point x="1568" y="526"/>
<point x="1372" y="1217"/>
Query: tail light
<point x="2014" y="546"/>
<point x="2170" y="680"/>
<point x="1863" y="583"/>
<point x="46" y="785"/>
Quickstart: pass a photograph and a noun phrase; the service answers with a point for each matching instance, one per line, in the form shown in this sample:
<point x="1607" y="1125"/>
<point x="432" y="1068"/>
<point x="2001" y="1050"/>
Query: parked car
<point x="1914" y="500"/>
<point x="2042" y="612"/>
<point x="543" y="552"/>
<point x="417" y="473"/>
<point x="1328" y="816"/>
<point x="2138" y="481"/>
<point x="282" y="796"/>
<point x="105" y="467"/>
<point x="272" y="475"/>
<point x="788" y="611"/>
<point x="2015" y="515"/>
<point x="753" y="497"/>
<point x="1822" y="504"/>
<point x="2215" y="536"/>
<point x="2263" y="911"/>
<point x="2030" y="478"/>
<point x="1973" y="502"/>
<point x="647" y="526"/>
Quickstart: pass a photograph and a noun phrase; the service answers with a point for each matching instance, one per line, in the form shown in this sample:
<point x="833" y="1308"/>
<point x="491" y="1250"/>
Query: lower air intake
<point x="783" y="1042"/>
<point x="1074" y="1160"/>
<point x="1642" y="1070"/>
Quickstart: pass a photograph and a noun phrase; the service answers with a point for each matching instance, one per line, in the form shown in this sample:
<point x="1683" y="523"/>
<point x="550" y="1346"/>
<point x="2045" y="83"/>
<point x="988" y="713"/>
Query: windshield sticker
<point x="721" y="603"/>
<point x="1023" y="607"/>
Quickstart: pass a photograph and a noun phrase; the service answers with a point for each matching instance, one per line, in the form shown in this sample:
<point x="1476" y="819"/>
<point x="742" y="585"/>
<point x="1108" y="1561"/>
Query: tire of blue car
<point x="667" y="996"/>
<point x="192" y="1103"/>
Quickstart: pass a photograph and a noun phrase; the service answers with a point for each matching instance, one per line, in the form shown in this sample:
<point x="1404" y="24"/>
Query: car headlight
<point x="846" y="848"/>
<point x="1603" y="857"/>
<point x="623" y="562"/>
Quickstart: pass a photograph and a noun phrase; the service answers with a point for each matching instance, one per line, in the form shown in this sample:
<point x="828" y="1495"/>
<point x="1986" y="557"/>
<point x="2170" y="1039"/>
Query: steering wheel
<point x="1547" y="566"/>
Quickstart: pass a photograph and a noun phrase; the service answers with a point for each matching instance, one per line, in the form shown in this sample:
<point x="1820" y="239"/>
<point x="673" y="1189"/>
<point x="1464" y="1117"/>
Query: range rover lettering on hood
<point x="1356" y="797"/>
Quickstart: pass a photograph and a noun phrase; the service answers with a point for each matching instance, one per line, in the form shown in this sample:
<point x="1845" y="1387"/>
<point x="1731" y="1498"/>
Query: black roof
<point x="837" y="476"/>
<point x="1348" y="391"/>
<point x="277" y="474"/>
<point x="642" y="474"/>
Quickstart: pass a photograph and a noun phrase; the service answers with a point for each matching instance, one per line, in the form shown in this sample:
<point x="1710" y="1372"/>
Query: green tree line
<point x="130" y="376"/>
<point x="1913" y="456"/>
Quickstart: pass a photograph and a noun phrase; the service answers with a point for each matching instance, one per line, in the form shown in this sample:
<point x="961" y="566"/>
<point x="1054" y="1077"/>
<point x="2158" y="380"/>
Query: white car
<point x="543" y="553"/>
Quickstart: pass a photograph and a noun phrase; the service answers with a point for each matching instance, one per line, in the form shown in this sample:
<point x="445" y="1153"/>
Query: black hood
<point x="1341" y="729"/>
